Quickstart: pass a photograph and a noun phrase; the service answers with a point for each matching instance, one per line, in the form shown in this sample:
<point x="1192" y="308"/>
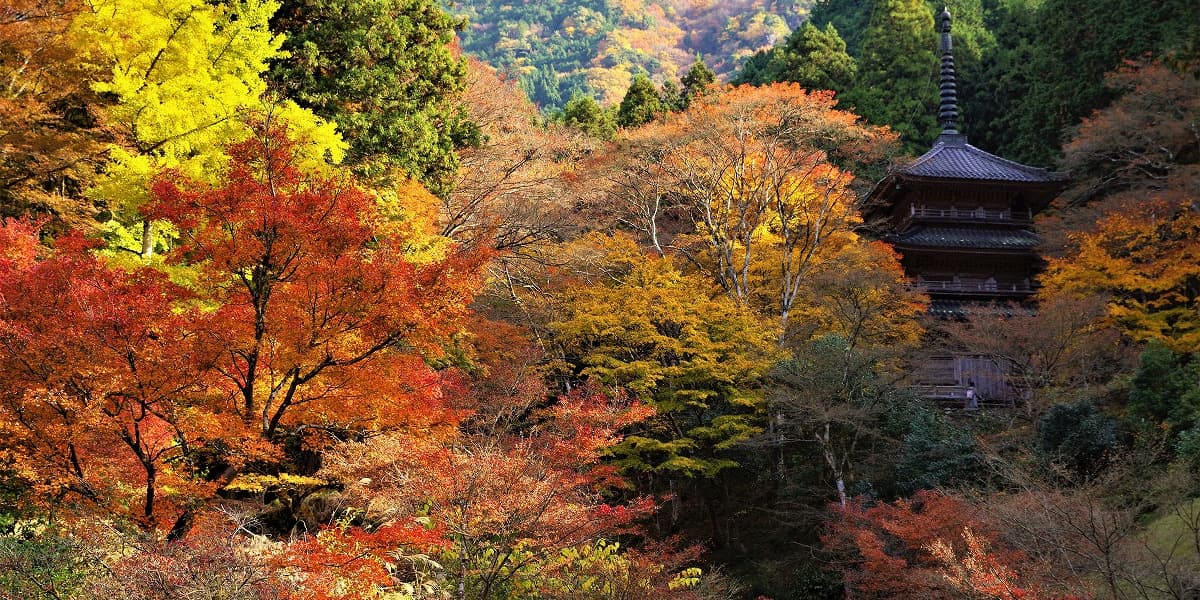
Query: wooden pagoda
<point x="962" y="221"/>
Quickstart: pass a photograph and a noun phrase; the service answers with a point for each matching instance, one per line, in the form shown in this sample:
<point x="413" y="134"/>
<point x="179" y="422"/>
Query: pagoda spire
<point x="948" y="109"/>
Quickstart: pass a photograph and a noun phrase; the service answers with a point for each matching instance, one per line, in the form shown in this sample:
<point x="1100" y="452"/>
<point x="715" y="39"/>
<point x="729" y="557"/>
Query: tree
<point x="696" y="81"/>
<point x="934" y="546"/>
<point x="584" y="113"/>
<point x="695" y="359"/>
<point x="896" y="71"/>
<point x="510" y="190"/>
<point x="321" y="315"/>
<point x="758" y="173"/>
<point x="1127" y="228"/>
<point x="99" y="370"/>
<point x="812" y="57"/>
<point x="184" y="73"/>
<point x="385" y="72"/>
<point x="51" y="123"/>
<point x="503" y="504"/>
<point x="641" y="103"/>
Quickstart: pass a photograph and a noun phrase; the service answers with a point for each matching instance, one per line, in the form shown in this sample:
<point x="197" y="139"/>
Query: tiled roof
<point x="953" y="158"/>
<point x="936" y="236"/>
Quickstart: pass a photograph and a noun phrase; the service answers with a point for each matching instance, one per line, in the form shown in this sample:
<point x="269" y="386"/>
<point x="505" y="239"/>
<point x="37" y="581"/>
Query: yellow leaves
<point x="186" y="75"/>
<point x="1145" y="257"/>
<point x="257" y="484"/>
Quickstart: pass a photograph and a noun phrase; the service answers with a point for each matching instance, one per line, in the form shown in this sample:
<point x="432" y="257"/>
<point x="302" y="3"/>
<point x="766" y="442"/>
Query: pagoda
<point x="962" y="221"/>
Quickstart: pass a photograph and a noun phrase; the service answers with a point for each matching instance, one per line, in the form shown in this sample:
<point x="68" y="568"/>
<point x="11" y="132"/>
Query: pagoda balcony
<point x="969" y="285"/>
<point x="973" y="214"/>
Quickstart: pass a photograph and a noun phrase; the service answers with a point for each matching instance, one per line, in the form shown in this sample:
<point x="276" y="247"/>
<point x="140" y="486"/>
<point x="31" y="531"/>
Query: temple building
<point x="962" y="221"/>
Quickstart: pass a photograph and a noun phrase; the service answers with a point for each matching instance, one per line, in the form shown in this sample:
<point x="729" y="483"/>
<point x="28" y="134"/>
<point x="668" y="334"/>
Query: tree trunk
<point x="147" y="239"/>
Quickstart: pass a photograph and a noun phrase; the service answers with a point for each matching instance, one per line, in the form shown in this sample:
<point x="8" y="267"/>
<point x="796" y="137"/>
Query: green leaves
<point x="383" y="71"/>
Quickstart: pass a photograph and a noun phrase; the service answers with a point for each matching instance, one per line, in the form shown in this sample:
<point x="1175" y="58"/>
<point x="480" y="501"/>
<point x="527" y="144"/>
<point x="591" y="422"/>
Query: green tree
<point x="384" y="71"/>
<point x="897" y="71"/>
<point x="584" y="113"/>
<point x="693" y="355"/>
<point x="815" y="58"/>
<point x="640" y="104"/>
<point x="1074" y="43"/>
<point x="696" y="80"/>
<point x="1166" y="388"/>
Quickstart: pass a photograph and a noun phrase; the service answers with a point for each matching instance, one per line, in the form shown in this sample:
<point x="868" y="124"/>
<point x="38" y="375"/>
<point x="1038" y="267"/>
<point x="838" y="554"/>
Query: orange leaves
<point x="323" y="318"/>
<point x="96" y="362"/>
<point x="932" y="546"/>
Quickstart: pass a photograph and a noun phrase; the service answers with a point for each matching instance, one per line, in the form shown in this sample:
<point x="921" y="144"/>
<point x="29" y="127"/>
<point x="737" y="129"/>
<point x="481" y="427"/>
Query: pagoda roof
<point x="953" y="158"/>
<point x="951" y="236"/>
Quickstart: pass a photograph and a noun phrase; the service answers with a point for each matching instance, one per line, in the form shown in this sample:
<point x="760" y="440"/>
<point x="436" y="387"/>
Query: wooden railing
<point x="975" y="214"/>
<point x="971" y="285"/>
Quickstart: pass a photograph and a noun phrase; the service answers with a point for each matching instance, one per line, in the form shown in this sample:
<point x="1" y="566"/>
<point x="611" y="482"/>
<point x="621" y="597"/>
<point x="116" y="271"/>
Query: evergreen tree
<point x="698" y="77"/>
<point x="584" y="113"/>
<point x="814" y="58"/>
<point x="1075" y="42"/>
<point x="640" y="104"/>
<point x="384" y="71"/>
<point x="672" y="97"/>
<point x="897" y="83"/>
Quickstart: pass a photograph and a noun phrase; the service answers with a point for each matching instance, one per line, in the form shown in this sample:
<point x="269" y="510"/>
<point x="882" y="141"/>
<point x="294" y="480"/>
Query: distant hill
<point x="556" y="49"/>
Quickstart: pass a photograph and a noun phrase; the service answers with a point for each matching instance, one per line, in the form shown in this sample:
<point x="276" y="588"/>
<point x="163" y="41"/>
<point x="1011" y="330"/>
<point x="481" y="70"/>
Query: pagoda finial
<point x="948" y="109"/>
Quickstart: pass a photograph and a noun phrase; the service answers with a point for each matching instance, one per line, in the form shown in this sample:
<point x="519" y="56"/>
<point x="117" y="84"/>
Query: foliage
<point x="95" y="364"/>
<point x="318" y="306"/>
<point x="813" y="57"/>
<point x="1166" y="389"/>
<point x="584" y="113"/>
<point x="932" y="546"/>
<point x="385" y="73"/>
<point x="896" y="71"/>
<point x="640" y="104"/>
<point x="42" y="566"/>
<point x="501" y="506"/>
<point x="51" y="123"/>
<point x="760" y="174"/>
<point x="936" y="454"/>
<point x="1079" y="438"/>
<point x="694" y="358"/>
<point x="511" y="191"/>
<point x="183" y="73"/>
<point x="1064" y="350"/>
<point x="593" y="48"/>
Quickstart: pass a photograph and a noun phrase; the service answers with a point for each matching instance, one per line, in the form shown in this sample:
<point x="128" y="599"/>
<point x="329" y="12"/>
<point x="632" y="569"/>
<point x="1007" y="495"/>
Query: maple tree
<point x="52" y="133"/>
<point x="98" y="367"/>
<point x="321" y="315"/>
<point x="932" y="546"/>
<point x="756" y="172"/>
<point x="500" y="505"/>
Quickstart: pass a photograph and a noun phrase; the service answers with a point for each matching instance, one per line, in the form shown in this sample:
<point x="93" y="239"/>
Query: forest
<point x="389" y="299"/>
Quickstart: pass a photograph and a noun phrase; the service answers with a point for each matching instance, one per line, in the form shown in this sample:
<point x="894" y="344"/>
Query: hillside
<point x="595" y="46"/>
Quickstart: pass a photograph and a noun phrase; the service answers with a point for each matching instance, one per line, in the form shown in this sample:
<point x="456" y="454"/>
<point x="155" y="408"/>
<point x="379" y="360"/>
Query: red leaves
<point x="322" y="316"/>
<point x="932" y="546"/>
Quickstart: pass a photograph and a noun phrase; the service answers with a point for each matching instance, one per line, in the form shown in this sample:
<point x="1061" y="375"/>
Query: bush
<point x="1078" y="437"/>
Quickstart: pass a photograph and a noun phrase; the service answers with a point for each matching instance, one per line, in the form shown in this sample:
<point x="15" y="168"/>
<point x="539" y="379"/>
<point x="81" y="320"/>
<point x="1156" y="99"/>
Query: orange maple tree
<point x="98" y="368"/>
<point x="323" y="318"/>
<point x="932" y="546"/>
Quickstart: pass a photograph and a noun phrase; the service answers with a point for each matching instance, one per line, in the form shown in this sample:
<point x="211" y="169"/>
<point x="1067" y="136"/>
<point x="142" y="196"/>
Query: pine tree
<point x="897" y="71"/>
<point x="385" y="72"/>
<point x="698" y="77"/>
<point x="640" y="104"/>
